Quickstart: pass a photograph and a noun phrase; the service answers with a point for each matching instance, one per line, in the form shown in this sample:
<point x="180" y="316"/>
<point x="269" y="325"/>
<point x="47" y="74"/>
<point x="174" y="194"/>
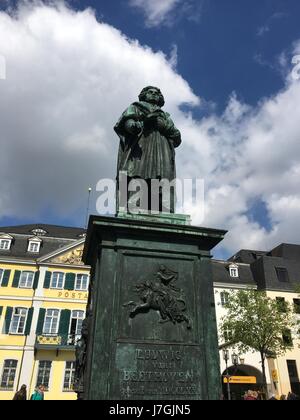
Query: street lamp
<point x="226" y="358"/>
<point x="235" y="359"/>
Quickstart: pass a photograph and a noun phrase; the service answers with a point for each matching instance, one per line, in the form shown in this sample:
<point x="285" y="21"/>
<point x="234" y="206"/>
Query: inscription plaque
<point x="158" y="371"/>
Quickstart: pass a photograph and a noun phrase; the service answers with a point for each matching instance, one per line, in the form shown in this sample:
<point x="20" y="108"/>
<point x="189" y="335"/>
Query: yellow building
<point x="43" y="297"/>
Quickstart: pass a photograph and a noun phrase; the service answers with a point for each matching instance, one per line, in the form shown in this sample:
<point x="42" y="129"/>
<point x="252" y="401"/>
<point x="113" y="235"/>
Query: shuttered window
<point x="82" y="282"/>
<point x="44" y="373"/>
<point x="57" y="280"/>
<point x="51" y="322"/>
<point x="69" y="377"/>
<point x="9" y="374"/>
<point x="18" y="321"/>
<point x="26" y="280"/>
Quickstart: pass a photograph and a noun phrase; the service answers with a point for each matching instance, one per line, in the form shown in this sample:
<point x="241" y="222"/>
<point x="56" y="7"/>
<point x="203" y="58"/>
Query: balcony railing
<point x="57" y="340"/>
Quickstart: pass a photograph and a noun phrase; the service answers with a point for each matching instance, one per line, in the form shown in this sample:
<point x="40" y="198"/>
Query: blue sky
<point x="224" y="66"/>
<point x="231" y="46"/>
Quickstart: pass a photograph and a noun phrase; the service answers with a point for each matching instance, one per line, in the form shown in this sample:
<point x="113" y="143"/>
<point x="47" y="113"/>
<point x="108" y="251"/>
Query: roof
<point x="221" y="274"/>
<point x="287" y="251"/>
<point x="54" y="238"/>
<point x="247" y="256"/>
<point x="53" y="231"/>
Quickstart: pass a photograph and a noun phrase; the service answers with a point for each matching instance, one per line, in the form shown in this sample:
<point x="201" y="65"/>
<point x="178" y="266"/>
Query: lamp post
<point x="235" y="359"/>
<point x="226" y="358"/>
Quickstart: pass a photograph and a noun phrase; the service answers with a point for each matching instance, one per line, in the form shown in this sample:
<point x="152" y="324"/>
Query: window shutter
<point x="5" y="279"/>
<point x="41" y="320"/>
<point x="1" y="310"/>
<point x="16" y="279"/>
<point x="36" y="280"/>
<point x="47" y="280"/>
<point x="8" y="316"/>
<point x="70" y="281"/>
<point x="64" y="323"/>
<point x="29" y="321"/>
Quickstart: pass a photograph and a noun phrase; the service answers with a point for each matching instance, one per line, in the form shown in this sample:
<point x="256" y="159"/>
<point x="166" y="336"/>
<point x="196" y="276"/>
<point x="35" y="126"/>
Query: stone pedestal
<point x="152" y="325"/>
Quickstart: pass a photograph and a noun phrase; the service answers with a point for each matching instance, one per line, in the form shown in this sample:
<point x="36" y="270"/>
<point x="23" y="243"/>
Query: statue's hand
<point x="133" y="127"/>
<point x="156" y="122"/>
<point x="161" y="125"/>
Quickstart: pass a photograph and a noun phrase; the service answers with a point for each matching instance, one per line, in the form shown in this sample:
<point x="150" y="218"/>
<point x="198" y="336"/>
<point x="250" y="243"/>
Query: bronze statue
<point x="148" y="138"/>
<point x="81" y="352"/>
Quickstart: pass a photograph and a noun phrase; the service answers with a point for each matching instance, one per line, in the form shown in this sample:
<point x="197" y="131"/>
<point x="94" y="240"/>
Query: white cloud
<point x="69" y="78"/>
<point x="156" y="11"/>
<point x="167" y="12"/>
<point x="256" y="155"/>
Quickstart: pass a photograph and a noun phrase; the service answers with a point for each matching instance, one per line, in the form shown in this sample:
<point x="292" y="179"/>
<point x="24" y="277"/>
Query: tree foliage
<point x="257" y="323"/>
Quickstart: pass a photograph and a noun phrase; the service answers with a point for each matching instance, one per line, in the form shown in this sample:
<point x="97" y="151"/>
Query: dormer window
<point x="5" y="242"/>
<point x="34" y="245"/>
<point x="39" y="232"/>
<point x="234" y="271"/>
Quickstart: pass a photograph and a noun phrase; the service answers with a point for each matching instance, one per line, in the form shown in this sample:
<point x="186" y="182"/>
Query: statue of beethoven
<point x="148" y="138"/>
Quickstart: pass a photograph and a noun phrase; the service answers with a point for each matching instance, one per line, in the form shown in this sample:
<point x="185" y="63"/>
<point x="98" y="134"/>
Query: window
<point x="51" y="322"/>
<point x="282" y="275"/>
<point x="26" y="280"/>
<point x="18" y="321"/>
<point x="297" y="306"/>
<point x="82" y="282"/>
<point x="287" y="337"/>
<point x="44" y="374"/>
<point x="9" y="374"/>
<point x="5" y="244"/>
<point x="34" y="247"/>
<point x="1" y="275"/>
<point x="69" y="376"/>
<point x="293" y="375"/>
<point x="281" y="304"/>
<point x="233" y="271"/>
<point x="224" y="298"/>
<point x="57" y="280"/>
<point x="76" y="325"/>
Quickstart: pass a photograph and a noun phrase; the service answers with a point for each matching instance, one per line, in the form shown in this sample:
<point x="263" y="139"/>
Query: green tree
<point x="258" y="324"/>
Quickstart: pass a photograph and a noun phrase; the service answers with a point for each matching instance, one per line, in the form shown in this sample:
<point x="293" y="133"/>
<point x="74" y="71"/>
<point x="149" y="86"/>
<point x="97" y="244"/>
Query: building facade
<point x="43" y="297"/>
<point x="44" y="291"/>
<point x="275" y="272"/>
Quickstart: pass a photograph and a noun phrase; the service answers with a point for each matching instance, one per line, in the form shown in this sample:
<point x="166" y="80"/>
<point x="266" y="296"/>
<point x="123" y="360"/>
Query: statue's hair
<point x="142" y="95"/>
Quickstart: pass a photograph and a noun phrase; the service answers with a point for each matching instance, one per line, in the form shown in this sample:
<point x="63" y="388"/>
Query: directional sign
<point x="241" y="380"/>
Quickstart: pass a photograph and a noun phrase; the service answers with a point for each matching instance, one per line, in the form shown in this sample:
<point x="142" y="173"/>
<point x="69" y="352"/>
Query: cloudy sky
<point x="225" y="68"/>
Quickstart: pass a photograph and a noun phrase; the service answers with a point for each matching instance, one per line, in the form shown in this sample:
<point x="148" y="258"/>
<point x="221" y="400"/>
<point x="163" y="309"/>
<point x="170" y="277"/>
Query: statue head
<point x="153" y="95"/>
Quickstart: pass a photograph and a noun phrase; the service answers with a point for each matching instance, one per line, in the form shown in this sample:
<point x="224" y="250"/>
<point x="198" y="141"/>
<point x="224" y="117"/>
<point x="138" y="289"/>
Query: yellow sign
<point x="275" y="375"/>
<point x="241" y="380"/>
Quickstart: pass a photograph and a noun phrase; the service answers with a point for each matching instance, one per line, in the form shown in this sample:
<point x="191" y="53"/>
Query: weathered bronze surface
<point x="151" y="318"/>
<point x="148" y="138"/>
<point x="153" y="330"/>
<point x="163" y="296"/>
